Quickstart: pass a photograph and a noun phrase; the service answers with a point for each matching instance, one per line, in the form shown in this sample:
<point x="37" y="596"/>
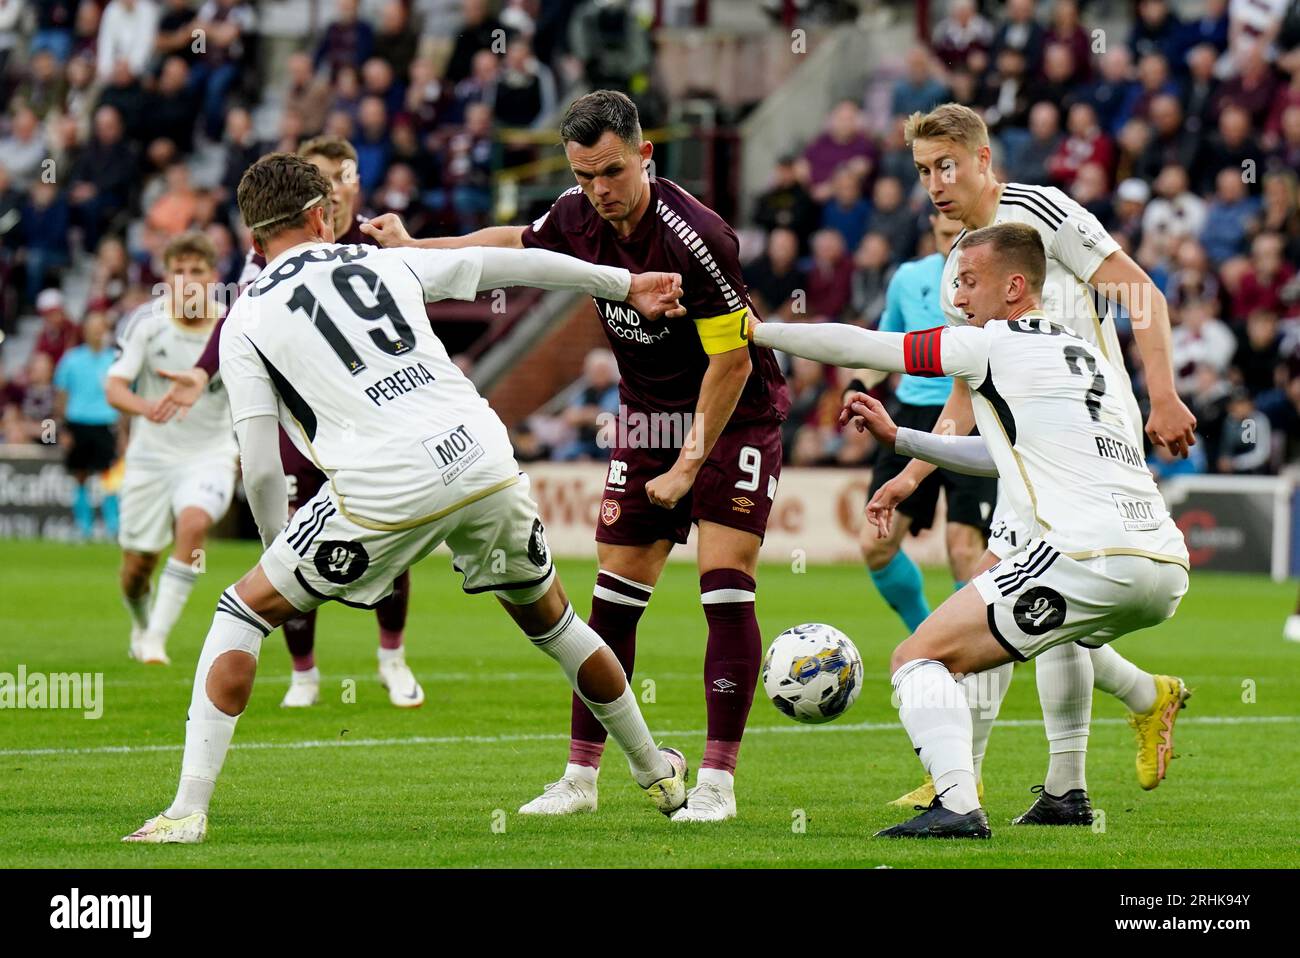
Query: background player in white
<point x="1102" y="557"/>
<point x="180" y="475"/>
<point x="1085" y="268"/>
<point x="333" y="342"/>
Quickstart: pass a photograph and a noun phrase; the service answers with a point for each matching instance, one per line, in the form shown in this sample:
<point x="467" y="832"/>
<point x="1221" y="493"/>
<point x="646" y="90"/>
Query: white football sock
<point x="581" y="773"/>
<point x="174" y="587"/>
<point x="1118" y="676"/>
<point x="1064" y="675"/>
<point x="934" y="711"/>
<point x="985" y="692"/>
<point x="235" y="628"/>
<point x="138" y="608"/>
<point x="571" y="642"/>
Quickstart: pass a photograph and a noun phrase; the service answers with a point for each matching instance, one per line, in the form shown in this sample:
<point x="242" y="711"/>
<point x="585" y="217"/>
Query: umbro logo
<point x="724" y="685"/>
<point x="742" y="504"/>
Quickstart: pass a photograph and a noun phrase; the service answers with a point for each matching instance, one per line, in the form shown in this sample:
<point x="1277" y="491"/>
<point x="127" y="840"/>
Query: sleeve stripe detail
<point x="137" y="316"/>
<point x="1037" y="213"/>
<point x="1026" y="203"/>
<point x="921" y="353"/>
<point x="700" y="250"/>
<point x="1040" y="194"/>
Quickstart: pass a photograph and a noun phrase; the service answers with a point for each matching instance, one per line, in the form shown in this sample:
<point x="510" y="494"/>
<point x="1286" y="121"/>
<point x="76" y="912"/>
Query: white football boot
<point x="303" y="691"/>
<point x="713" y="799"/>
<point x="396" y="676"/>
<point x="161" y="830"/>
<point x="149" y="648"/>
<point x="575" y="792"/>
<point x="1291" y="631"/>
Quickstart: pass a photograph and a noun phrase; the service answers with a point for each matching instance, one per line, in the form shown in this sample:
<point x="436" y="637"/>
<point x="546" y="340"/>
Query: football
<point x="812" y="673"/>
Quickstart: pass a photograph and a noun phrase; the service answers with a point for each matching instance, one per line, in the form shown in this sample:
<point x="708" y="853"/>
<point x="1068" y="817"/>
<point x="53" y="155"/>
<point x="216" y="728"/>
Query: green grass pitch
<point x="361" y="784"/>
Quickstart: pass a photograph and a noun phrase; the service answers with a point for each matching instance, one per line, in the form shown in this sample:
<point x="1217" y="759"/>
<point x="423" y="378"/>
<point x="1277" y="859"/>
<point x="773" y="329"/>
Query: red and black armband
<point x="921" y="352"/>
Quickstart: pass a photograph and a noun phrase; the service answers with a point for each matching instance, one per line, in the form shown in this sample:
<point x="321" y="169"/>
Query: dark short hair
<point x="275" y="189"/>
<point x="588" y="117"/>
<point x="1017" y="246"/>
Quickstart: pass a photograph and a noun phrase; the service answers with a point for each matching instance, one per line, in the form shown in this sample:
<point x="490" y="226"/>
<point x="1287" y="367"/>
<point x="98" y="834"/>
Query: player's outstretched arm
<point x="654" y="295"/>
<point x="965" y="454"/>
<point x="1170" y="424"/>
<point x="956" y="419"/>
<point x="259" y="457"/>
<point x="388" y="229"/>
<point x="119" y="395"/>
<point x="835" y="343"/>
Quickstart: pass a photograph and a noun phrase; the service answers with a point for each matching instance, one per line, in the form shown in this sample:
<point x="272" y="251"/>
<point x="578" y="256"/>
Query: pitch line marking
<point x="558" y="736"/>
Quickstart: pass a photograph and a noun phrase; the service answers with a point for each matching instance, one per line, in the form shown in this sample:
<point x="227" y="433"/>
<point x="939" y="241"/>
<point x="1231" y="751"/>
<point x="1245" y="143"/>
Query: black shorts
<point x="970" y="498"/>
<point x="94" y="448"/>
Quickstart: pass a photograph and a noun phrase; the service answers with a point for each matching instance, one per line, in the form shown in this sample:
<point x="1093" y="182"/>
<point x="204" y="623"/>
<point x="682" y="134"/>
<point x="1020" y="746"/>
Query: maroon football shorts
<point x="300" y="473"/>
<point x="734" y="488"/>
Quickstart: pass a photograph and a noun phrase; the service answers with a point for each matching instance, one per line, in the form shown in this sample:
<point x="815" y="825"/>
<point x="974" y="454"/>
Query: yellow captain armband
<point x="722" y="334"/>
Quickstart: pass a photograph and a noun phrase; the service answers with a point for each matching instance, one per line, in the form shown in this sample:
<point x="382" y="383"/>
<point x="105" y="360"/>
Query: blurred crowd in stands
<point x="130" y="121"/>
<point x="1182" y="135"/>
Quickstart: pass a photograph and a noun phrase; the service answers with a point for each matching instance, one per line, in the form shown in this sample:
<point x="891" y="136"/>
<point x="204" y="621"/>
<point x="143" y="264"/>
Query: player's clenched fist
<point x="656" y="295"/>
<point x="387" y="229"/>
<point x="667" y="490"/>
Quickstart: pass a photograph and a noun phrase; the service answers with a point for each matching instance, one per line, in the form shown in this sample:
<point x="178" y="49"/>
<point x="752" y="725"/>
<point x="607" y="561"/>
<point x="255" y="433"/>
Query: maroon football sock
<point x="391" y="612"/>
<point x="731" y="662"/>
<point x="616" y="607"/>
<point x="300" y="636"/>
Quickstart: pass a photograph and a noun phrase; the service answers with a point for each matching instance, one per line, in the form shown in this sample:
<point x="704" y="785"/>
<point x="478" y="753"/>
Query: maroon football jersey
<point x="662" y="362"/>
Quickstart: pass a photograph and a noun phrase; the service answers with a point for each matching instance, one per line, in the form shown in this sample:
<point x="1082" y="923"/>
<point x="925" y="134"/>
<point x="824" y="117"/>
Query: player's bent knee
<point x="530" y="594"/>
<point x="878" y="553"/>
<point x="229" y="684"/>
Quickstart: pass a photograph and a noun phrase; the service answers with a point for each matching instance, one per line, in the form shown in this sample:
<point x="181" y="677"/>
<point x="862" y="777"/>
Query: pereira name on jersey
<point x="1060" y="434"/>
<point x="662" y="362"/>
<point x="336" y="342"/>
<point x="151" y="340"/>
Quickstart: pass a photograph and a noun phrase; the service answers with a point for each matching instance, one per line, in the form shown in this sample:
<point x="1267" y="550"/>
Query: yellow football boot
<point x="1155" y="730"/>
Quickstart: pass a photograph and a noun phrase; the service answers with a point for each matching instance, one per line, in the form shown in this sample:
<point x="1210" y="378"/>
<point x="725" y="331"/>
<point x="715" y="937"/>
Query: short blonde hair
<point x="948" y="121"/>
<point x="1018" y="248"/>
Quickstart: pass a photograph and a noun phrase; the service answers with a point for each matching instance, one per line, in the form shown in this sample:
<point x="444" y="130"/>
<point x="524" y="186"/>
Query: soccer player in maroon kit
<point x="729" y="397"/>
<point x="337" y="159"/>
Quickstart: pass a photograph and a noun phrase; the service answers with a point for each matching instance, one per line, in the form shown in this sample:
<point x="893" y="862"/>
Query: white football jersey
<point x="151" y="340"/>
<point x="1046" y="406"/>
<point x="1076" y="244"/>
<point x="336" y="342"/>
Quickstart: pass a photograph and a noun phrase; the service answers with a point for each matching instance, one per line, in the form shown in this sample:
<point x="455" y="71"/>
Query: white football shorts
<point x="498" y="544"/>
<point x="152" y="497"/>
<point x="1040" y="598"/>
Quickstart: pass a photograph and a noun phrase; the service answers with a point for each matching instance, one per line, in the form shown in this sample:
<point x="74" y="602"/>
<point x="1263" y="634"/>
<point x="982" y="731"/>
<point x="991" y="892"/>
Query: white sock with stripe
<point x="1117" y="676"/>
<point x="174" y="587"/>
<point x="570" y="643"/>
<point x="984" y="692"/>
<point x="235" y="628"/>
<point x="1064" y="676"/>
<point x="936" y="715"/>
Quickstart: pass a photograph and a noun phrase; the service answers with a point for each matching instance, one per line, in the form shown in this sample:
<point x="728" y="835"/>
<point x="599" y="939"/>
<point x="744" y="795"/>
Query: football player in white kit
<point x="333" y="342"/>
<point x="1101" y="557"/>
<point x="180" y="475"/>
<point x="950" y="147"/>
